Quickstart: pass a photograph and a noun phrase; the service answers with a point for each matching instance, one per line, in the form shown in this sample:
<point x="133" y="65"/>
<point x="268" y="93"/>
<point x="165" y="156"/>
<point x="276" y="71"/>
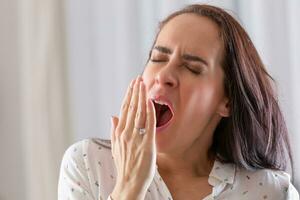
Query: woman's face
<point x="184" y="68"/>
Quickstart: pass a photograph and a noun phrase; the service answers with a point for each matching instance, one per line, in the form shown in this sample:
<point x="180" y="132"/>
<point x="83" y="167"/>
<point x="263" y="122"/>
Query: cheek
<point x="200" y="102"/>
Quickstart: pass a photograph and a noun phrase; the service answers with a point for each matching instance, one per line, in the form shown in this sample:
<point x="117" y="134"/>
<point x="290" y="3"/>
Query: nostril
<point x="167" y="78"/>
<point x="170" y="84"/>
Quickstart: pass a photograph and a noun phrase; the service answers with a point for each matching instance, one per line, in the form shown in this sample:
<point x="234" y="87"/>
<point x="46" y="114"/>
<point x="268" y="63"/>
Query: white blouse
<point x="88" y="173"/>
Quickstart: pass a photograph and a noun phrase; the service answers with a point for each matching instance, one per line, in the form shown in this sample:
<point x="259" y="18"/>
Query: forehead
<point x="191" y="33"/>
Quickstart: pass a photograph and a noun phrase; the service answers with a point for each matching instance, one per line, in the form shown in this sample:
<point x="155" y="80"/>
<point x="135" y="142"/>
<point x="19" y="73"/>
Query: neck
<point x="193" y="162"/>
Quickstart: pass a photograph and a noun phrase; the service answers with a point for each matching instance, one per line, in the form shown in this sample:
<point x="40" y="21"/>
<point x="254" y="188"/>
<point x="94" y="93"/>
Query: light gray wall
<point x="11" y="174"/>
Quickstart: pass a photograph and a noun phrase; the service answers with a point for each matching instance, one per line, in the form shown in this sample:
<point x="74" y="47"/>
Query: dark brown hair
<point x="255" y="135"/>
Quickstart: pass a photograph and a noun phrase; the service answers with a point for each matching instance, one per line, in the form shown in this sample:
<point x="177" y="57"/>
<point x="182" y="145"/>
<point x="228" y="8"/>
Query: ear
<point x="224" y="108"/>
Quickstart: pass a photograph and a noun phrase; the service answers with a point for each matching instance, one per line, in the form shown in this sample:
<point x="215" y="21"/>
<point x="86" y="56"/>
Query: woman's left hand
<point x="134" y="153"/>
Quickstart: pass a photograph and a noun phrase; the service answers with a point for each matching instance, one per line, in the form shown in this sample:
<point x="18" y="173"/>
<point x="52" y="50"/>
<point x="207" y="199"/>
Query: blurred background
<point x="65" y="65"/>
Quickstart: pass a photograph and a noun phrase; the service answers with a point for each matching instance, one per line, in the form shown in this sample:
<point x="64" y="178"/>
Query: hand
<point x="134" y="153"/>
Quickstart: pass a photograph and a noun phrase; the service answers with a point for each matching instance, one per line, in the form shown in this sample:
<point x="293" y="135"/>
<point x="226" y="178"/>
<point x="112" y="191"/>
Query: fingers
<point x="124" y="107"/>
<point x="150" y="121"/>
<point x="133" y="107"/>
<point x="114" y="123"/>
<point x="136" y="111"/>
<point x="140" y="116"/>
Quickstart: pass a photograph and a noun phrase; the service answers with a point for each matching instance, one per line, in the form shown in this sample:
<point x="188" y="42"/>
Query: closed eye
<point x="191" y="69"/>
<point x="157" y="60"/>
<point x="184" y="64"/>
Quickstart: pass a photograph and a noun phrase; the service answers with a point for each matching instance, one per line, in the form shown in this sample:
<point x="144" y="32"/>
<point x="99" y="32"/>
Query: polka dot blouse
<point x="88" y="173"/>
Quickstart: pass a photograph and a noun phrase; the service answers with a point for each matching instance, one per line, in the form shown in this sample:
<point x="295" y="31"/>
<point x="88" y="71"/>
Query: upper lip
<point x="165" y="100"/>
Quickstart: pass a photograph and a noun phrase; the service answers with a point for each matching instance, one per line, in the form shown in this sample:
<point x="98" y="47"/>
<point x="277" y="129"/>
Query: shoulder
<point x="86" y="148"/>
<point x="86" y="165"/>
<point x="100" y="143"/>
<point x="89" y="144"/>
<point x="271" y="184"/>
<point x="93" y="141"/>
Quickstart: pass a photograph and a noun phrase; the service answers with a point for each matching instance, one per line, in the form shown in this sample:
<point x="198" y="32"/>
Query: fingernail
<point x="132" y="83"/>
<point x="139" y="77"/>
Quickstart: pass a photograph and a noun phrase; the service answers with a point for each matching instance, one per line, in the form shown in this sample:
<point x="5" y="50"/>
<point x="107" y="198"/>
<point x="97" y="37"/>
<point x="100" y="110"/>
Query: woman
<point x="202" y="122"/>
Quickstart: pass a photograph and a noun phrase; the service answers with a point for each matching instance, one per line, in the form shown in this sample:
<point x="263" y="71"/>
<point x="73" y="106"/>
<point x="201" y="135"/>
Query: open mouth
<point x="164" y="114"/>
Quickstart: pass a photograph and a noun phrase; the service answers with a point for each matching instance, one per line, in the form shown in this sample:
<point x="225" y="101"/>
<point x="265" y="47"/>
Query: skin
<point x="181" y="150"/>
<point x="134" y="154"/>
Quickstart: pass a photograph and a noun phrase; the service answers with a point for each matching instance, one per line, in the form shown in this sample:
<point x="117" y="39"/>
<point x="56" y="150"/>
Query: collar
<point x="222" y="173"/>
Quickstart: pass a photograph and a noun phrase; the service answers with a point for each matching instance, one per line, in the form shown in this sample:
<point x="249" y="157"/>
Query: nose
<point x="166" y="76"/>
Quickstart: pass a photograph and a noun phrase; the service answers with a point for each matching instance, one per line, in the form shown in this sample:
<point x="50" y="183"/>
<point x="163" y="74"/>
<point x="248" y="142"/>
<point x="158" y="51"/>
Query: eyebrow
<point x="163" y="49"/>
<point x="187" y="57"/>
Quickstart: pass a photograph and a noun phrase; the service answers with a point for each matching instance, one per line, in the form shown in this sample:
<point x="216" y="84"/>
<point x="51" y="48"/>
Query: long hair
<point x="255" y="135"/>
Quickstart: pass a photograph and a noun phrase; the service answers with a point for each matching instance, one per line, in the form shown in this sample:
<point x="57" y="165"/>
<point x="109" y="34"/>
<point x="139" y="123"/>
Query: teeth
<point x="161" y="103"/>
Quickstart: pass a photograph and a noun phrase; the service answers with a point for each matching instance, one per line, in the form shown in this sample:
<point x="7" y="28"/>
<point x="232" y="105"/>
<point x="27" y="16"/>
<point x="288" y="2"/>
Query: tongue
<point x="164" y="118"/>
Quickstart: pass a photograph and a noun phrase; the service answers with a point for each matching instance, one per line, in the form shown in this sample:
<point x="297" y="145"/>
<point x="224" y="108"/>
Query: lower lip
<point x="161" y="128"/>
